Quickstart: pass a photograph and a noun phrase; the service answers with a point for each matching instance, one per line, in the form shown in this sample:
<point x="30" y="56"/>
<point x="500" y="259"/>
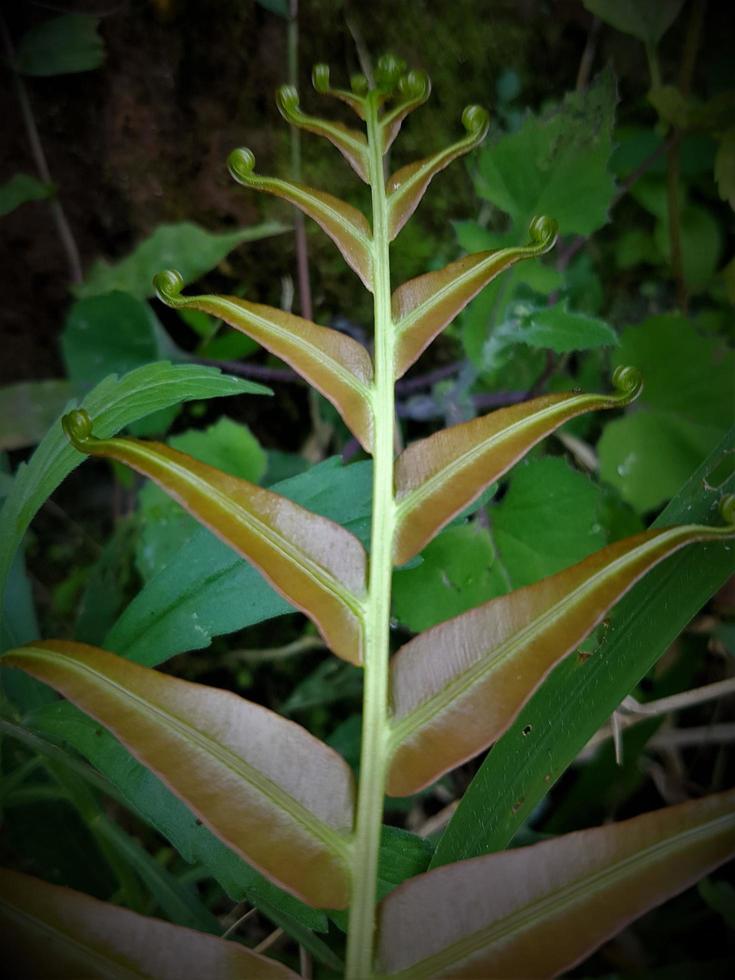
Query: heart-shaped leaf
<point x="316" y="564"/>
<point x="288" y="812"/>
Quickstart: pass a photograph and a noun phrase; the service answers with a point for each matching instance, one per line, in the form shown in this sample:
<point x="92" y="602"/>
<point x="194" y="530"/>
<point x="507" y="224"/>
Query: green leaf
<point x="106" y="334"/>
<point x="648" y="20"/>
<point x="684" y="411"/>
<point x="151" y="800"/>
<point x="28" y="408"/>
<point x="50" y="930"/>
<point x="549" y="519"/>
<point x="206" y="590"/>
<point x="581" y="693"/>
<point x="556" y="164"/>
<point x="455" y="575"/>
<point x="288" y="812"/>
<point x="725" y="167"/>
<point x="20" y="189"/>
<point x="113" y="404"/>
<point x="186" y="246"/>
<point x="561" y="330"/>
<point x="536" y="911"/>
<point x="701" y="244"/>
<point x="61" y="46"/>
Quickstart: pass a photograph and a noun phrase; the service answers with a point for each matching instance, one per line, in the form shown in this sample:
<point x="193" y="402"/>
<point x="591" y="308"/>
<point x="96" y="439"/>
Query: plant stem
<point x="373" y="753"/>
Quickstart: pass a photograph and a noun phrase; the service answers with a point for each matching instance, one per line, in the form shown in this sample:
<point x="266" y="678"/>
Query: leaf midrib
<point x="558" y="902"/>
<point x="227" y="758"/>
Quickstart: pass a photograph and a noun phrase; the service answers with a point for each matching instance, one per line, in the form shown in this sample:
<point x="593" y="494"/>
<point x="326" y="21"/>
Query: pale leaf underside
<point x="536" y="911"/>
<point x="331" y="361"/>
<point x="423" y="306"/>
<point x="438" y="477"/>
<point x="49" y="931"/>
<point x="458" y="686"/>
<point x="316" y="564"/>
<point x="288" y="812"/>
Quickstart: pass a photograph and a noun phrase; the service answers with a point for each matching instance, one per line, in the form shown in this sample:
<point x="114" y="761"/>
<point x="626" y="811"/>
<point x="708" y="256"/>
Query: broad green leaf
<point x="407" y="186"/>
<point x="549" y="518"/>
<point x="334" y="363"/>
<point x="136" y="787"/>
<point x="437" y="477"/>
<point x="206" y="590"/>
<point x="422" y="307"/>
<point x="312" y="561"/>
<point x="560" y="329"/>
<point x="110" y="333"/>
<point x="582" y="692"/>
<point x="725" y="167"/>
<point x="113" y="404"/>
<point x="350" y="143"/>
<point x="556" y="164"/>
<point x="20" y="189"/>
<point x="163" y="524"/>
<point x="648" y="20"/>
<point x="54" y="931"/>
<point x="455" y="574"/>
<point x="459" y="686"/>
<point x="28" y="408"/>
<point x="701" y="244"/>
<point x="288" y="812"/>
<point x="345" y="225"/>
<point x="61" y="46"/>
<point x="537" y="911"/>
<point x="191" y="249"/>
<point x="685" y="410"/>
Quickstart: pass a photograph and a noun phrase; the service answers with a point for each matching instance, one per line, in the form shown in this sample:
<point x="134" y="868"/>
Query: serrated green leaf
<point x="456" y="574"/>
<point x="562" y="330"/>
<point x="548" y="519"/>
<point x="113" y="404"/>
<point x="61" y="46"/>
<point x="20" y="189"/>
<point x="185" y="246"/>
<point x="556" y="164"/>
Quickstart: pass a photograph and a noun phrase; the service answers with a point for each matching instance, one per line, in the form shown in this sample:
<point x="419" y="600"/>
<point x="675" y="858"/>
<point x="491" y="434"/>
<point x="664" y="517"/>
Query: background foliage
<point x="618" y="120"/>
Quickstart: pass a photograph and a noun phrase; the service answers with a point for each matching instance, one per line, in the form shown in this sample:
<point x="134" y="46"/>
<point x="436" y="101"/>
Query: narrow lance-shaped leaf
<point x="274" y="793"/>
<point x="536" y="911"/>
<point x="50" y="931"/>
<point x="350" y="143"/>
<point x="458" y="686"/>
<point x="316" y="564"/>
<point x="414" y="89"/>
<point x="438" y="477"/>
<point x="331" y="361"/>
<point x="345" y="225"/>
<point x="355" y="99"/>
<point x="408" y="185"/>
<point x="422" y="307"/>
